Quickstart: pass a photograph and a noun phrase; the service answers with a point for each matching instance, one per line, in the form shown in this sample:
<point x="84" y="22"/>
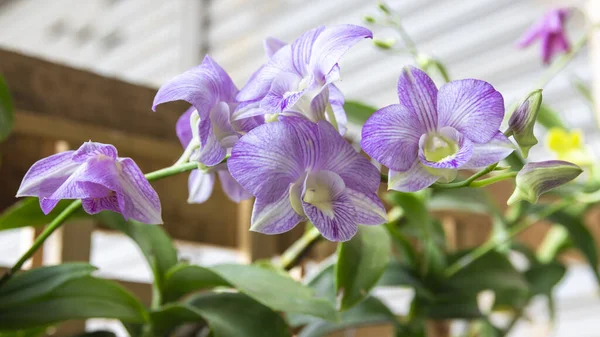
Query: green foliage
<point x="33" y="332"/>
<point x="7" y="114"/>
<point x="542" y="278"/>
<point x="549" y="118"/>
<point x="361" y="262"/>
<point x="227" y="315"/>
<point x="265" y="286"/>
<point x="39" y="282"/>
<point x="27" y="213"/>
<point x="78" y="298"/>
<point x="153" y="241"/>
<point x="97" y="334"/>
<point x="358" y="112"/>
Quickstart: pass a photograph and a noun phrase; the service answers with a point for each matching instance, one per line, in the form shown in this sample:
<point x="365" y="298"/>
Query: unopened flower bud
<point x="538" y="178"/>
<point x="385" y="44"/>
<point x="369" y="19"/>
<point x="522" y="121"/>
<point x="485" y="301"/>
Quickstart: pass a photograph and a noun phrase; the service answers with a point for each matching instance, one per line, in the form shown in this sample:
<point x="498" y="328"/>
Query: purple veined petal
<point x="369" y="209"/>
<point x="319" y="104"/>
<point x="546" y="49"/>
<point x="96" y="205"/>
<point x="418" y="94"/>
<point x="220" y="117"/>
<point x="414" y="179"/>
<point x="454" y="138"/>
<point x="327" y="206"/>
<point x="47" y="205"/>
<point x="302" y="49"/>
<point x="247" y="109"/>
<point x="137" y="199"/>
<point x="558" y="43"/>
<point x="234" y="191"/>
<point x="47" y="175"/>
<point x="338" y="156"/>
<point x="200" y="86"/>
<point x="530" y="35"/>
<point x="183" y="129"/>
<point x="472" y="107"/>
<point x="260" y="81"/>
<point x="272" y="156"/>
<point x="91" y="149"/>
<point x="211" y="151"/>
<point x="331" y="44"/>
<point x="272" y="45"/>
<point x="336" y="98"/>
<point x="489" y="153"/>
<point x="391" y="136"/>
<point x="274" y="217"/>
<point x="283" y="93"/>
<point x="200" y="186"/>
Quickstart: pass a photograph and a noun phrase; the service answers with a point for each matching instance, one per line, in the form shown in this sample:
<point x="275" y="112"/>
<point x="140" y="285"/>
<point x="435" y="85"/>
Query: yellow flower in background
<point x="568" y="146"/>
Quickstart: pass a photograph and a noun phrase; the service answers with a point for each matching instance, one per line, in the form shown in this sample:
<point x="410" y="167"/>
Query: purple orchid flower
<point x="296" y="79"/>
<point x="551" y="31"/>
<point x="431" y="134"/>
<point x="301" y="170"/>
<point x="212" y="94"/>
<point x="201" y="182"/>
<point x="96" y="175"/>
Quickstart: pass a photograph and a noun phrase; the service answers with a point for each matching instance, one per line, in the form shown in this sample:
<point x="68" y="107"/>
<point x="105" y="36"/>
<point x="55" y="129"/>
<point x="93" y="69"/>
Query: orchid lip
<point x="437" y="147"/>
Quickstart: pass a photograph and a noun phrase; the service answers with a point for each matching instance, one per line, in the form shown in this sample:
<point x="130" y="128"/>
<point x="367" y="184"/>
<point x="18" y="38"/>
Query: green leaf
<point x="152" y="240"/>
<point x="266" y="286"/>
<point x="492" y="271"/>
<point x="97" y="334"/>
<point x="81" y="298"/>
<point x="542" y="278"/>
<point x="450" y="306"/>
<point x="358" y="112"/>
<point x="398" y="274"/>
<point x="361" y="262"/>
<point x="38" y="282"/>
<point x="33" y="332"/>
<point x="227" y="315"/>
<point x="369" y="312"/>
<point x="27" y="213"/>
<point x="471" y="200"/>
<point x="549" y="118"/>
<point x="572" y="219"/>
<point x="7" y="114"/>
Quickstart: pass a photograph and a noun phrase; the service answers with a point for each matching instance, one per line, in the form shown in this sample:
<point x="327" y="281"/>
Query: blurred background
<point x="147" y="42"/>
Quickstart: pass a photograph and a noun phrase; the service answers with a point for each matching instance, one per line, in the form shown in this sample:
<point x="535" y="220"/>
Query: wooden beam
<point x="57" y="91"/>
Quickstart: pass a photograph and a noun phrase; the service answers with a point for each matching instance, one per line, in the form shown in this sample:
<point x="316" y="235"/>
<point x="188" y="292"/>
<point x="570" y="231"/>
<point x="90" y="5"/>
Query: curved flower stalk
<point x="201" y="182"/>
<point x="96" y="175"/>
<point x="300" y="170"/>
<point x="432" y="134"/>
<point x="296" y="79"/>
<point x="550" y="30"/>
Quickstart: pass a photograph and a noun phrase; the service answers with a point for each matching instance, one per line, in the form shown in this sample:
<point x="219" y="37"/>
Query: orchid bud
<point x="538" y="178"/>
<point x="369" y="19"/>
<point x="522" y="121"/>
<point x="385" y="44"/>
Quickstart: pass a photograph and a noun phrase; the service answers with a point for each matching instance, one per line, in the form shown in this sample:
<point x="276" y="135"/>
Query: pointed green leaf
<point x="549" y="118"/>
<point x="31" y="284"/>
<point x="7" y="114"/>
<point x="268" y="287"/>
<point x="542" y="278"/>
<point x="81" y="298"/>
<point x="361" y="262"/>
<point x="227" y="315"/>
<point x="358" y="112"/>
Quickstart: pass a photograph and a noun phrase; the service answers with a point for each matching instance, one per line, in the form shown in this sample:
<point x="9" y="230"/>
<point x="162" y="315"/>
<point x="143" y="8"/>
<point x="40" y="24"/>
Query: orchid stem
<point x="561" y="62"/>
<point x="515" y="230"/>
<point x="494" y="179"/>
<point x="467" y="182"/>
<point x="74" y="206"/>
<point x="299" y="248"/>
<point x="185" y="157"/>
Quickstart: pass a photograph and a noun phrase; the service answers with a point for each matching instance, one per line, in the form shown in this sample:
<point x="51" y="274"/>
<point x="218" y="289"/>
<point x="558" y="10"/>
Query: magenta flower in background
<point x="212" y="94"/>
<point x="431" y="134"/>
<point x="296" y="79"/>
<point x="301" y="170"/>
<point x="201" y="182"/>
<point x="550" y="30"/>
<point x="96" y="175"/>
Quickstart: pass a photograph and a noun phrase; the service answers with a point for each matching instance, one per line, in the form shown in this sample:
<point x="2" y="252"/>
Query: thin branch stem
<point x="494" y="179"/>
<point x="74" y="206"/>
<point x="467" y="182"/>
<point x="299" y="248"/>
<point x="515" y="230"/>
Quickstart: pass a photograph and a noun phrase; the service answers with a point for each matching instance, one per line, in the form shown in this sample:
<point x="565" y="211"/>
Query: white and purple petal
<point x="391" y="136"/>
<point x="275" y="216"/>
<point x="416" y="178"/>
<point x="418" y="94"/>
<point x="139" y="201"/>
<point x="472" y="107"/>
<point x="92" y="149"/>
<point x="489" y="153"/>
<point x="46" y="175"/>
<point x="234" y="191"/>
<point x="272" y="45"/>
<point x="200" y="186"/>
<point x="462" y="155"/>
<point x="368" y="207"/>
<point x="183" y="128"/>
<point x="337" y="224"/>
